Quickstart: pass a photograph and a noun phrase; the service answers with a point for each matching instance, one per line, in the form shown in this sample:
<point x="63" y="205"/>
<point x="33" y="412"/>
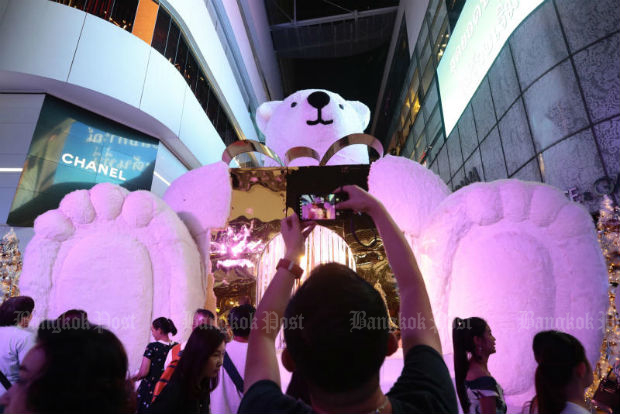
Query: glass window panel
<point x="425" y="55"/>
<point x="221" y="122"/>
<point x="124" y="13"/>
<point x="181" y="57"/>
<point x="437" y="20"/>
<point x="442" y="16"/>
<point x="420" y="147"/>
<point x="213" y="108"/>
<point x="172" y="43"/>
<point x="160" y="34"/>
<point x="231" y="136"/>
<point x="407" y="127"/>
<point x="432" y="7"/>
<point x="432" y="95"/>
<point x="415" y="83"/>
<point x="192" y="72"/>
<point x="422" y="37"/>
<point x="418" y="127"/>
<point x="408" y="147"/>
<point x="429" y="72"/>
<point x="415" y="108"/>
<point x="77" y="4"/>
<point x="406" y="106"/>
<point x="436" y="145"/>
<point x="442" y="40"/>
<point x="202" y="92"/>
<point x="100" y="8"/>
<point x="434" y="123"/>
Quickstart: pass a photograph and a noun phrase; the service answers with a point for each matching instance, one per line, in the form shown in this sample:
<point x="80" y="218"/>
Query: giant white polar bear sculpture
<point x="517" y="254"/>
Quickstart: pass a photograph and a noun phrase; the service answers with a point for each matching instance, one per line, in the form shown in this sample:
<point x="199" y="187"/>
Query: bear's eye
<point x="341" y="106"/>
<point x="293" y="104"/>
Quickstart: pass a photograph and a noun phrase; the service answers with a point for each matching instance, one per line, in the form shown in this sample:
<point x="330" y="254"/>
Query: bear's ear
<point x="263" y="114"/>
<point x="362" y="111"/>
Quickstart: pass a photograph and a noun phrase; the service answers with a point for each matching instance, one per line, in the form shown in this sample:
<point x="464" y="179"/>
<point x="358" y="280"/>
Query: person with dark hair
<point x="337" y="332"/>
<point x="72" y="371"/>
<point x="226" y="397"/>
<point x="16" y="311"/>
<point x="195" y="376"/>
<point x="562" y="375"/>
<point x="15" y="337"/>
<point x="476" y="388"/>
<point x="204" y="316"/>
<point x="73" y="316"/>
<point x="153" y="360"/>
<point x="201" y="317"/>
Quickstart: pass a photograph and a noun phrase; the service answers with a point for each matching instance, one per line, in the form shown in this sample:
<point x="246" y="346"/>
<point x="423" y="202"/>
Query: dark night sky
<point x="355" y="77"/>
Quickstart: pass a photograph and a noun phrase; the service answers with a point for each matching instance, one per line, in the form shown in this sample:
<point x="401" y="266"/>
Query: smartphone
<point x="318" y="207"/>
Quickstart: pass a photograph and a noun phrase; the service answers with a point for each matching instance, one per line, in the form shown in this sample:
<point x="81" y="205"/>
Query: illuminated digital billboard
<point x="75" y="149"/>
<point x="478" y="37"/>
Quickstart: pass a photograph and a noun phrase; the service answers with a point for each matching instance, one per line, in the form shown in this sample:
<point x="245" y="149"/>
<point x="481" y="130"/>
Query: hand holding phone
<point x="357" y="199"/>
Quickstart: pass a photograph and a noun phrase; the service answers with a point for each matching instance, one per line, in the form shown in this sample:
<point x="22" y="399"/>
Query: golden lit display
<point x="241" y="271"/>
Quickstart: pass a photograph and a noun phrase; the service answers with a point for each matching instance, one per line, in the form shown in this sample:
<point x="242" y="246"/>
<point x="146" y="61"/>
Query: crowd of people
<point x="83" y="367"/>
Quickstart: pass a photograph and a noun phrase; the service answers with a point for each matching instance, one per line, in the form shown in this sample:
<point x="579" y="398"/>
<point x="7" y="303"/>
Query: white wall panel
<point x="18" y="118"/>
<point x="164" y="92"/>
<point x="15" y="138"/>
<point x="257" y="17"/>
<point x="39" y="37"/>
<point x="241" y="37"/>
<point x="20" y="108"/>
<point x="196" y="18"/>
<point x="101" y="63"/>
<point x="197" y="132"/>
<point x="6" y="199"/>
<point x="167" y="169"/>
<point x="3" y="6"/>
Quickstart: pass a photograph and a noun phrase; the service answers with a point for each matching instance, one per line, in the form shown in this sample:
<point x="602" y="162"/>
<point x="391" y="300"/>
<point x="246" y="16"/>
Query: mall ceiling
<point x="340" y="45"/>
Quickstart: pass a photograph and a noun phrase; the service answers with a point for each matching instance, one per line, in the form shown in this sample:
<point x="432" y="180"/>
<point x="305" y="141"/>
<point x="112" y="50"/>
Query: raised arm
<point x="414" y="302"/>
<point x="261" y="362"/>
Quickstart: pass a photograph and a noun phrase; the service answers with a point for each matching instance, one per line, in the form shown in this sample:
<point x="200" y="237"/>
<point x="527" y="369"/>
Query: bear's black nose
<point x="318" y="99"/>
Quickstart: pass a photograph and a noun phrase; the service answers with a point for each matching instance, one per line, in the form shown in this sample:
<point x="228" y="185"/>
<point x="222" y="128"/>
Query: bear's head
<point x="314" y="118"/>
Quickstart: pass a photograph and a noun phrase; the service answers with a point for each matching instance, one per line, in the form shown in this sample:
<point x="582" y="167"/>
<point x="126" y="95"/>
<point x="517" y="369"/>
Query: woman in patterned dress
<point x="153" y="360"/>
<point x="477" y="389"/>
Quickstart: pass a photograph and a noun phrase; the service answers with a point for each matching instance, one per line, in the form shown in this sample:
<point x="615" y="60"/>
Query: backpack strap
<point x="232" y="372"/>
<point x="5" y="381"/>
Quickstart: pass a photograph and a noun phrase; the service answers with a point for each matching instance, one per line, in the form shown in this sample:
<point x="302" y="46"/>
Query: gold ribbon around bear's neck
<point x="247" y="145"/>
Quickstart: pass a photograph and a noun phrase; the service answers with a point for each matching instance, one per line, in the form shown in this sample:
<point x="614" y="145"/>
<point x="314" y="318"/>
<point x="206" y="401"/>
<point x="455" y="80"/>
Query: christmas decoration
<point x="609" y="237"/>
<point x="10" y="265"/>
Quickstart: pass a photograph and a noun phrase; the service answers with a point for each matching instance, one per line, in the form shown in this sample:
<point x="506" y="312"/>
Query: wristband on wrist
<point x="291" y="267"/>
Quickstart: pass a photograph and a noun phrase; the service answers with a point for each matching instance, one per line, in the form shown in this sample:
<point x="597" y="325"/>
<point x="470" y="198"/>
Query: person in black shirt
<point x="337" y="333"/>
<point x="195" y="376"/>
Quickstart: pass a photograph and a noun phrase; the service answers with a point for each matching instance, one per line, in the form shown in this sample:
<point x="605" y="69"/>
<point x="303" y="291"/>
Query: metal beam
<point x="336" y="18"/>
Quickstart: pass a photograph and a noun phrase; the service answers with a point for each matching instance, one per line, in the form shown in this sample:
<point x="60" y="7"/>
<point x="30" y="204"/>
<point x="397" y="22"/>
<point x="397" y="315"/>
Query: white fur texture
<point x="521" y="256"/>
<point x="125" y="258"/>
<point x="410" y="209"/>
<point x="285" y="126"/>
<point x="201" y="197"/>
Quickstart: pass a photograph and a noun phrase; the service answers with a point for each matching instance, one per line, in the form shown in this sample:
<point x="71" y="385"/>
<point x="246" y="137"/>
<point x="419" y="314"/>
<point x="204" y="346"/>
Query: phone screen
<point x="317" y="207"/>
